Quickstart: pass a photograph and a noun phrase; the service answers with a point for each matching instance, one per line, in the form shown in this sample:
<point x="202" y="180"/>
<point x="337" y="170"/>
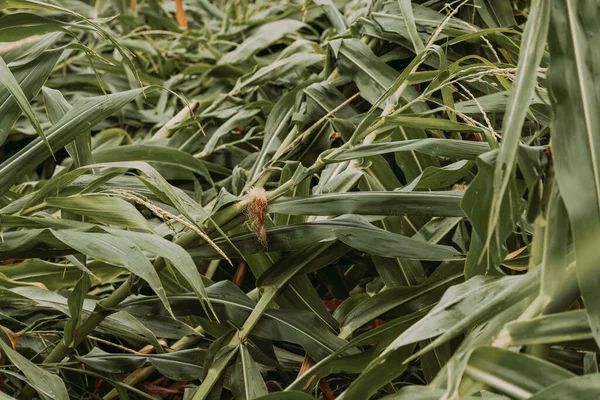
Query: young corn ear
<point x="256" y="210"/>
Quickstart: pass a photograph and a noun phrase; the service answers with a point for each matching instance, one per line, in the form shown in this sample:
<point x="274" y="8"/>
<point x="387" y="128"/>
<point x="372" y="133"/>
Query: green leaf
<point x="426" y="19"/>
<point x="374" y="376"/>
<point x="53" y="185"/>
<point x="17" y="242"/>
<point x="30" y="78"/>
<point x="84" y="114"/>
<point x="402" y="300"/>
<point x="18" y="26"/>
<point x="102" y="209"/>
<point x="496" y="13"/>
<point x="351" y="230"/>
<point x="333" y="14"/>
<point x="441" y="204"/>
<point x="438" y="178"/>
<point x="464" y="305"/>
<point x="293" y="395"/>
<point x="231" y="304"/>
<point x="45" y="383"/>
<point x="516" y="375"/>
<point x="116" y="251"/>
<point x="585" y="387"/>
<point x="177" y="365"/>
<point x="57" y="106"/>
<point x="372" y="76"/>
<point x="4" y="396"/>
<point x="276" y="128"/>
<point x="380" y="336"/>
<point x="393" y="121"/>
<point x="156" y="154"/>
<point x="436" y="147"/>
<point x="118" y="324"/>
<point x="266" y="35"/>
<point x="57" y="276"/>
<point x="132" y="323"/>
<point x="159" y="185"/>
<point x="409" y="20"/>
<point x="555" y="265"/>
<point x="484" y="258"/>
<point x="176" y="255"/>
<point x="572" y="77"/>
<point x="39" y="5"/>
<point x="280" y="68"/>
<point x="239" y="119"/>
<point x="498" y="225"/>
<point x="12" y="85"/>
<point x="555" y="328"/>
<point x="75" y="303"/>
<point x="427" y="393"/>
<point x="246" y="379"/>
<point x="451" y="375"/>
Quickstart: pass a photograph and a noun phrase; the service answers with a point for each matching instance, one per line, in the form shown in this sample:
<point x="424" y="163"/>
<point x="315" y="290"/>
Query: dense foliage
<point x="299" y="199"/>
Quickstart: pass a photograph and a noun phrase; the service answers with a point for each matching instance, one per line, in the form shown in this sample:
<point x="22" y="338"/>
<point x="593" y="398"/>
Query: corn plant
<point x="327" y="199"/>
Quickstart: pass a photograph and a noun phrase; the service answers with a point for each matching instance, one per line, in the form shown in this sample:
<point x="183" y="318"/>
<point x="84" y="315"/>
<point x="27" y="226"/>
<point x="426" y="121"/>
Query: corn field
<point x="296" y="199"/>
